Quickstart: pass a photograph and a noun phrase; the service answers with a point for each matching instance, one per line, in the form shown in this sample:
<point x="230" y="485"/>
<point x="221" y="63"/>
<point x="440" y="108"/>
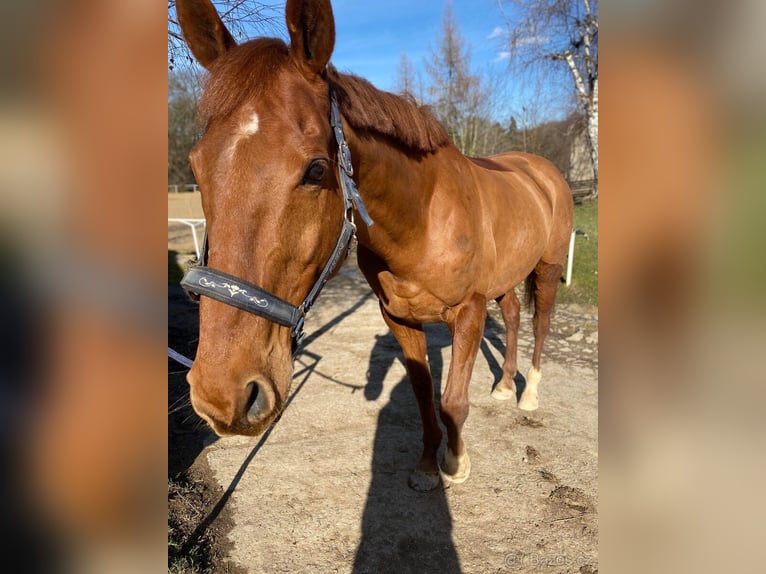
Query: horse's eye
<point x="315" y="173"/>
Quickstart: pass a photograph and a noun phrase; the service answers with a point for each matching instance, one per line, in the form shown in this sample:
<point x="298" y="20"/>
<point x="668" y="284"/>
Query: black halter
<point x="203" y="280"/>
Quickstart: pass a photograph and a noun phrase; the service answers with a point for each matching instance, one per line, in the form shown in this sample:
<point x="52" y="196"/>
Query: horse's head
<point x="271" y="199"/>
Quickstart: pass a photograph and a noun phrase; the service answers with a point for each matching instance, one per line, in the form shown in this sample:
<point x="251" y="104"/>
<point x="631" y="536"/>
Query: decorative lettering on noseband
<point x="234" y="291"/>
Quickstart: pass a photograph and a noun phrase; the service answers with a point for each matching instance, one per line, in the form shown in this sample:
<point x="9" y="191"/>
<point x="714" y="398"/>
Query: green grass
<point x="736" y="271"/>
<point x="584" y="287"/>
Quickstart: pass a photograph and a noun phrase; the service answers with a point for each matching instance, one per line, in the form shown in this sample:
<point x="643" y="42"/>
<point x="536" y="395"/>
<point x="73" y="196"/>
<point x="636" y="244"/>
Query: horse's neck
<point x="396" y="190"/>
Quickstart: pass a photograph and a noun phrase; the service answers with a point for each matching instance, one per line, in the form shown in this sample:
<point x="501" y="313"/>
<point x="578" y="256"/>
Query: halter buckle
<point x="344" y="158"/>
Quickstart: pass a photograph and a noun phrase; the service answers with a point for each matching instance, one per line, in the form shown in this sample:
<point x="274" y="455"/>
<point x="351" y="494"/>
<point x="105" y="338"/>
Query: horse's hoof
<point x="456" y="468"/>
<point x="503" y="393"/>
<point x="528" y="401"/>
<point x="424" y="481"/>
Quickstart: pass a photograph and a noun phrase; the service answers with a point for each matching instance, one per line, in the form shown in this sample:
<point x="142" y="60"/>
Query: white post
<point x="570" y="259"/>
<point x="196" y="241"/>
<point x="192" y="224"/>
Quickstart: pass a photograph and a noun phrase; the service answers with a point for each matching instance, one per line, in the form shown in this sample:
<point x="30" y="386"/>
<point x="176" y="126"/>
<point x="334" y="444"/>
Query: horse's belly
<point x="512" y="271"/>
<point x="517" y="251"/>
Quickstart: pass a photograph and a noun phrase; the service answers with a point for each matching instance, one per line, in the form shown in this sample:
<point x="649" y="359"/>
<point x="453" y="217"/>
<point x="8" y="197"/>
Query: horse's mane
<point x="398" y="117"/>
<point x="248" y="70"/>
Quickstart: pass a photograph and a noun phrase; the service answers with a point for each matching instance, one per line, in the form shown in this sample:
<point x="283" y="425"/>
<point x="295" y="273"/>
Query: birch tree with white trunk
<point x="559" y="37"/>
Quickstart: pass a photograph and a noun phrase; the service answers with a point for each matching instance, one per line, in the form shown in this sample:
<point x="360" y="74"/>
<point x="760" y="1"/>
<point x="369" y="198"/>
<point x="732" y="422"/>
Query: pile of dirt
<point x="194" y="546"/>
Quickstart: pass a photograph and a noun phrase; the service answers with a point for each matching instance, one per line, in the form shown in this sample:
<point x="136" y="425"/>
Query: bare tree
<point x="407" y="80"/>
<point x="492" y="136"/>
<point x="455" y="93"/>
<point x="183" y="94"/>
<point x="563" y="33"/>
<point x="243" y="18"/>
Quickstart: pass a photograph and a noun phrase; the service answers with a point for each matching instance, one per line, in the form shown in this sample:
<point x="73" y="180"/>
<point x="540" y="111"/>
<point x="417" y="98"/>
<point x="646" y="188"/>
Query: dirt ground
<point x="325" y="490"/>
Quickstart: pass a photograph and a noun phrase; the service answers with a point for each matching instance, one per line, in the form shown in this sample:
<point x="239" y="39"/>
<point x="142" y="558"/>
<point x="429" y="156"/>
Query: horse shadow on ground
<point x="306" y="366"/>
<point x="403" y="530"/>
<point x="187" y="433"/>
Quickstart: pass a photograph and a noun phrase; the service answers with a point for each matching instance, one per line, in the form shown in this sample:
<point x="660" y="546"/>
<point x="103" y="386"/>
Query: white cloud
<point x="502" y="56"/>
<point x="498" y="32"/>
<point x="533" y="40"/>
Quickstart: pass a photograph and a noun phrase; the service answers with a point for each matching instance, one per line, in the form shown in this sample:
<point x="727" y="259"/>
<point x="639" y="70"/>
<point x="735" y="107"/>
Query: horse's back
<point x="543" y="172"/>
<point x="530" y="191"/>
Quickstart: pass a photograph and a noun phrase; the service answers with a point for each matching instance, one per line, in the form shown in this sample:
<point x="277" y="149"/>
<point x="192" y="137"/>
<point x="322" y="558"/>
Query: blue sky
<point x="371" y="36"/>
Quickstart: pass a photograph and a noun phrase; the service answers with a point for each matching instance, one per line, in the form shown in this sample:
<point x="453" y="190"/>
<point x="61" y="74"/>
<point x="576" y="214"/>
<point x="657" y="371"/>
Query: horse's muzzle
<point x="250" y="412"/>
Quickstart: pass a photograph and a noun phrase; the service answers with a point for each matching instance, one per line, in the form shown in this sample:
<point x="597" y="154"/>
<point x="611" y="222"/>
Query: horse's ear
<point x="312" y="33"/>
<point x="203" y="30"/>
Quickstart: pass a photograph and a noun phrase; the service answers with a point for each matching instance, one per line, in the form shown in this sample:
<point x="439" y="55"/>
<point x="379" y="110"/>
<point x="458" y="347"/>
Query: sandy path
<point x="326" y="491"/>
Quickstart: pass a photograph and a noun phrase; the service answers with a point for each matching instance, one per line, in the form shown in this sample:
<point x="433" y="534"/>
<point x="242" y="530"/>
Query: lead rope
<point x="179" y="358"/>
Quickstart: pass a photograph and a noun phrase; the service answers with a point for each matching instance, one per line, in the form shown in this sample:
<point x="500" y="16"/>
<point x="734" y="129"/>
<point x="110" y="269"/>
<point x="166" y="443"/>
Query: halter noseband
<point x="203" y="280"/>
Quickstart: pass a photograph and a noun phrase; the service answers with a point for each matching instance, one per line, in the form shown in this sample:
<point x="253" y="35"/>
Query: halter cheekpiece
<point x="203" y="280"/>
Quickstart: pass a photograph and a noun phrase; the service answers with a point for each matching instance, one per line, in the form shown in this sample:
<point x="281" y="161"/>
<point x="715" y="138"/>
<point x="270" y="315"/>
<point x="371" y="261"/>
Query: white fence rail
<point x="174" y="187"/>
<point x="193" y="224"/>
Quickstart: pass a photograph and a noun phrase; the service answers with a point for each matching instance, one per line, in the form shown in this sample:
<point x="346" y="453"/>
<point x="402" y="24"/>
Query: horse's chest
<point x="427" y="285"/>
<point x="410" y="300"/>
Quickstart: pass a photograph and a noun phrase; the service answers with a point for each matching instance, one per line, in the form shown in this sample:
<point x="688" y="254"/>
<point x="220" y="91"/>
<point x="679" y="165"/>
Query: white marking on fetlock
<point x="503" y="393"/>
<point x="528" y="401"/>
<point x="456" y="468"/>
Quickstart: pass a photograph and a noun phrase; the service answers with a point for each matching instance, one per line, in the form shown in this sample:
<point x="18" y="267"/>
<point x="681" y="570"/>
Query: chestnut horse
<point x="444" y="235"/>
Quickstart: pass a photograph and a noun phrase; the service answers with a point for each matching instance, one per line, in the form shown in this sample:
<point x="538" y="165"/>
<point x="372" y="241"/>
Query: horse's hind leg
<point x="546" y="277"/>
<point x="413" y="342"/>
<point x="510" y="307"/>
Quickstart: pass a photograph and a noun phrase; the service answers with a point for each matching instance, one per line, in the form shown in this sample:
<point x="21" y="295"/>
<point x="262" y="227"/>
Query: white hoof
<point x="503" y="393"/>
<point x="528" y="401"/>
<point x="456" y="468"/>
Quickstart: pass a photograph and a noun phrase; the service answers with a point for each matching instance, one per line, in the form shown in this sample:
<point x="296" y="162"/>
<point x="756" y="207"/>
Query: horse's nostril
<point x="256" y="401"/>
<point x="252" y="389"/>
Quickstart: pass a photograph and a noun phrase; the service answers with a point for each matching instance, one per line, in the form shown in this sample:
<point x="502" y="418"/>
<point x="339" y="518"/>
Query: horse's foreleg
<point x="467" y="325"/>
<point x="546" y="283"/>
<point x="510" y="307"/>
<point x="413" y="342"/>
